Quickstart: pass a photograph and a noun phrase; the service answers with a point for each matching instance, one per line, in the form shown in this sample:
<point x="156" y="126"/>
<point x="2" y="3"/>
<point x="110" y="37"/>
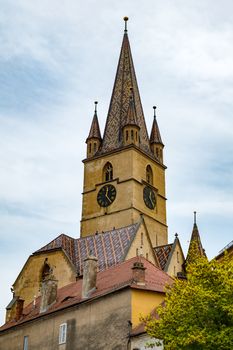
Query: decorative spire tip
<point x="195" y="217"/>
<point x="96" y="102"/>
<point x="126" y="20"/>
<point x="154" y="107"/>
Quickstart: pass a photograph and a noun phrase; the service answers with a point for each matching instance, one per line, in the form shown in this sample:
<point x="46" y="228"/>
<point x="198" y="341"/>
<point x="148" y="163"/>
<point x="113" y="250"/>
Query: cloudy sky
<point x="58" y="57"/>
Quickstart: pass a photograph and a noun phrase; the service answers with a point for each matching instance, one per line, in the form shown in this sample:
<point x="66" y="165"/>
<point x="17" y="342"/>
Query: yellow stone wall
<point x="143" y="302"/>
<point x="141" y="245"/>
<point x="28" y="282"/>
<point x="129" y="178"/>
<point x="176" y="262"/>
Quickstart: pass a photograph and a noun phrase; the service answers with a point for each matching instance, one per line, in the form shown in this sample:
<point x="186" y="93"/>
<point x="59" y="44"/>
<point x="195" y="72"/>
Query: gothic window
<point x="136" y="135"/>
<point x="90" y="148"/>
<point x="149" y="175"/>
<point x="127" y="135"/>
<point x="157" y="152"/>
<point x="95" y="147"/>
<point x="108" y="172"/>
<point x="177" y="255"/>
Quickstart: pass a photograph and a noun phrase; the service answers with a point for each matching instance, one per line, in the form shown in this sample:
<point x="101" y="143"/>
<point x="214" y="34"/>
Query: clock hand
<point x="150" y="198"/>
<point x="106" y="195"/>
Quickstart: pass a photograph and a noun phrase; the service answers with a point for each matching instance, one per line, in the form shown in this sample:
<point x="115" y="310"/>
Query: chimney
<point x="89" y="275"/>
<point x="139" y="273"/>
<point x="19" y="308"/>
<point x="48" y="293"/>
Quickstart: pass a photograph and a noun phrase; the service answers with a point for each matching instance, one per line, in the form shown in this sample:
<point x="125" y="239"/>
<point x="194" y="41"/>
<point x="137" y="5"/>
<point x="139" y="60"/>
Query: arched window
<point x="108" y="172"/>
<point x="90" y="147"/>
<point x="94" y="146"/>
<point x="127" y="135"/>
<point x="149" y="175"/>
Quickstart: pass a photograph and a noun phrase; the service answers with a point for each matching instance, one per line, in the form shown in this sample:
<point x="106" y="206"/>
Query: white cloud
<point x="183" y="58"/>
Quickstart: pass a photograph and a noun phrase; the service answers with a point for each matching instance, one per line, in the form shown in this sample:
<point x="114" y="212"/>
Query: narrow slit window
<point x="132" y="135"/>
<point x="127" y="135"/>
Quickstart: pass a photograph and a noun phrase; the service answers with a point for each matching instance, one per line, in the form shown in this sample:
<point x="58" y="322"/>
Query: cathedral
<point x="89" y="292"/>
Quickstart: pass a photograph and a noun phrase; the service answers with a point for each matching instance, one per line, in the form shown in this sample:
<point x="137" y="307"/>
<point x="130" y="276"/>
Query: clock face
<point x="106" y="195"/>
<point x="149" y="197"/>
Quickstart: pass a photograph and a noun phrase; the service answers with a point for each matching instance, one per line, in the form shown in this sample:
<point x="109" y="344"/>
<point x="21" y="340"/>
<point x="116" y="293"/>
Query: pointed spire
<point x="119" y="104"/>
<point x="195" y="246"/>
<point x="155" y="136"/>
<point x="95" y="129"/>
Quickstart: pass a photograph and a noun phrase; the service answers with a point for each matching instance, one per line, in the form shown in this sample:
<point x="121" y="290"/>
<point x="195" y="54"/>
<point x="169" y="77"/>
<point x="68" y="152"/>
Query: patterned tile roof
<point x="198" y="248"/>
<point x="109" y="247"/>
<point x="155" y="136"/>
<point x="108" y="281"/>
<point x="162" y="253"/>
<point x="125" y="82"/>
<point x="95" y="129"/>
<point x="131" y="118"/>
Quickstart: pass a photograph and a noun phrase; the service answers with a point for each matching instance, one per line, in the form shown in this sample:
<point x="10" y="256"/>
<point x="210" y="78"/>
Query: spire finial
<point x="195" y="217"/>
<point x="126" y="20"/>
<point x="154" y="107"/>
<point x="96" y="102"/>
<point x="176" y="235"/>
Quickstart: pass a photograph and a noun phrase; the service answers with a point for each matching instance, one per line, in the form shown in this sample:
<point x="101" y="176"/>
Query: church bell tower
<point x="124" y="174"/>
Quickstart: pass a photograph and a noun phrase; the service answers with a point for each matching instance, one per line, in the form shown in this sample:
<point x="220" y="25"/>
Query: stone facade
<point x="97" y="325"/>
<point x="129" y="179"/>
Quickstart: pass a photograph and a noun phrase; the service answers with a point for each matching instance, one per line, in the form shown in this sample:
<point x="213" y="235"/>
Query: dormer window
<point x="108" y="172"/>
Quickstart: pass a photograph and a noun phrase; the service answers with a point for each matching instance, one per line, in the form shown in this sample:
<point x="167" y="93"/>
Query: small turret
<point x="131" y="128"/>
<point x="94" y="138"/>
<point x="195" y="247"/>
<point x="156" y="142"/>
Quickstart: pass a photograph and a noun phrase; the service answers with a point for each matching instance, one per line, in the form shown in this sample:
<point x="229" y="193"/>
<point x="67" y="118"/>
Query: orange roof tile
<point x="108" y="281"/>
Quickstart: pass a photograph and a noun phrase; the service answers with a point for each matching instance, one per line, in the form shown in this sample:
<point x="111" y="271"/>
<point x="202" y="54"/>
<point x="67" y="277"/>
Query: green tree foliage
<point x="198" y="312"/>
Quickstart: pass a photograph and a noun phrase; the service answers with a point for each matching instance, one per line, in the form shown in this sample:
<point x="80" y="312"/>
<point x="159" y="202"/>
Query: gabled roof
<point x="109" y="247"/>
<point x="108" y="281"/>
<point x="125" y="81"/>
<point x="163" y="252"/>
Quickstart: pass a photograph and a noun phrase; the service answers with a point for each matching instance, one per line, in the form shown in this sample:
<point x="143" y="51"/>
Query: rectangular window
<point x="25" y="343"/>
<point x="62" y="333"/>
